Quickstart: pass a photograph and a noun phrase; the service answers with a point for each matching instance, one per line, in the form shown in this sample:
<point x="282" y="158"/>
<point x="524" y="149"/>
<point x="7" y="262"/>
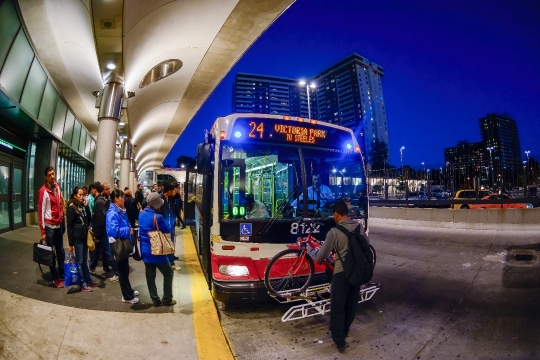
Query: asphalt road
<point x="445" y="294"/>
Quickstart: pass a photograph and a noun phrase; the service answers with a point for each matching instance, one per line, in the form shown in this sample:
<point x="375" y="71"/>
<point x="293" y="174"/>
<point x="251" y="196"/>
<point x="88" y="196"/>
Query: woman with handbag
<point x="150" y="220"/>
<point x="77" y="229"/>
<point x="119" y="231"/>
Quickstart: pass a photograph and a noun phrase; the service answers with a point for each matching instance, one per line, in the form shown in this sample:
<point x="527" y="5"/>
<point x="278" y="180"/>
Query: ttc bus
<point x="272" y="158"/>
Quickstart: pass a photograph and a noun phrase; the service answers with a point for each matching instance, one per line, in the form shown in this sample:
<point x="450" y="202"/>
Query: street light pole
<point x="490" y="148"/>
<point x="307" y="92"/>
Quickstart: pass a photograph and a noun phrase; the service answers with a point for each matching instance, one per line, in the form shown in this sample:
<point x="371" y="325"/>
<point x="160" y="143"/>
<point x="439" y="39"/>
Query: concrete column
<point x="125" y="164"/>
<point x="110" y="109"/>
<point x="132" y="177"/>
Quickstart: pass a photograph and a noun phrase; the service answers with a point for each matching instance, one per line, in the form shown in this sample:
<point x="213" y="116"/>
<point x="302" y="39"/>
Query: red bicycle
<point x="292" y="270"/>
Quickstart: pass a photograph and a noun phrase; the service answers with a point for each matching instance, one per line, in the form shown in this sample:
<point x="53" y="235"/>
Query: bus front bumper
<point x="232" y="292"/>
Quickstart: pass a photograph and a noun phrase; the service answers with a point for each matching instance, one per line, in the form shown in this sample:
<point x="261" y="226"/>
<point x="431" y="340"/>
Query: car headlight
<point x="233" y="270"/>
<point x="529" y="206"/>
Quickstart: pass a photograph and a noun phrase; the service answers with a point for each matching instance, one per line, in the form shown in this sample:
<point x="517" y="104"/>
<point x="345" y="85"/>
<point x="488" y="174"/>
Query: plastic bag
<point x="71" y="271"/>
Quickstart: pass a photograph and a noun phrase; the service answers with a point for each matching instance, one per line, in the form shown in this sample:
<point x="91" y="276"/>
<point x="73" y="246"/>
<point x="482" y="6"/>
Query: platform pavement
<point x="39" y="321"/>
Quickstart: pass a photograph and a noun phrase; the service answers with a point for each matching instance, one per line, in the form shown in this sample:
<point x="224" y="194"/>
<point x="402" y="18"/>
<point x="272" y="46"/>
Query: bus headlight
<point x="233" y="270"/>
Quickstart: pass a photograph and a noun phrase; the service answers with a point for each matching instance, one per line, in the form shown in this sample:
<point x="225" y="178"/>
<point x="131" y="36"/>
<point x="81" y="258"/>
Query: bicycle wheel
<point x="374" y="256"/>
<point x="290" y="269"/>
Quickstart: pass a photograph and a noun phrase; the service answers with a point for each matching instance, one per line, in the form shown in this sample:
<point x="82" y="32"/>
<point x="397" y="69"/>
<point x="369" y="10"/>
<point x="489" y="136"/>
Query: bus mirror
<point x="205" y="155"/>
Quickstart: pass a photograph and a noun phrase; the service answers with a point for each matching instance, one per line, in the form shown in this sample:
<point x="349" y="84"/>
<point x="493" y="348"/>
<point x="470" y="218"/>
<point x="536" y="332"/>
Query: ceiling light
<point x="160" y="71"/>
<point x="121" y="123"/>
<point x="111" y="66"/>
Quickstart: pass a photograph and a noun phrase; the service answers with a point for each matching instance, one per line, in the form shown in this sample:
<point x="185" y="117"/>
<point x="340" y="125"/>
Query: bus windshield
<point x="262" y="180"/>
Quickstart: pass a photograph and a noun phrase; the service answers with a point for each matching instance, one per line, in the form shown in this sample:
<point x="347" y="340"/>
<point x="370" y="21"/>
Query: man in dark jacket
<point x="101" y="205"/>
<point x="168" y="210"/>
<point x="139" y="197"/>
<point x="343" y="295"/>
<point x="178" y="203"/>
<point x="131" y="209"/>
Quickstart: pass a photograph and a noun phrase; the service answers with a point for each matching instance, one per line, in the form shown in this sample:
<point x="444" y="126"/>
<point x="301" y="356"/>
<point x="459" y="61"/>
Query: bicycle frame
<point x="300" y="244"/>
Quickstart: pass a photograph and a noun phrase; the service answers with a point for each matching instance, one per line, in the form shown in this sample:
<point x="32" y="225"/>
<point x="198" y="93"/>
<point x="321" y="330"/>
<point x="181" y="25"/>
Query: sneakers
<point x="87" y="288"/>
<point x="135" y="293"/>
<point x="132" y="301"/>
<point x="114" y="278"/>
<point x="341" y="348"/>
<point x="92" y="271"/>
<point x="93" y="285"/>
<point x="107" y="269"/>
<point x="176" y="267"/>
<point x="183" y="227"/>
<point x="59" y="284"/>
<point x="168" y="303"/>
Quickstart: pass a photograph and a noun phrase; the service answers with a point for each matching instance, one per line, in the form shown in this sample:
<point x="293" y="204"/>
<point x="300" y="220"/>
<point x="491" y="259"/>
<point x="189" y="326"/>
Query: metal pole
<point x="308" y="103"/>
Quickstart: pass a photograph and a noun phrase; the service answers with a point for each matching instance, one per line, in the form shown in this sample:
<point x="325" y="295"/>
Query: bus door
<point x="233" y="188"/>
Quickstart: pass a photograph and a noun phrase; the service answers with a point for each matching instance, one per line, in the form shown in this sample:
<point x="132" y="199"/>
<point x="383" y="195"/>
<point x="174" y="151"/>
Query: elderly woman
<point x="147" y="220"/>
<point x="77" y="229"/>
<point x="117" y="224"/>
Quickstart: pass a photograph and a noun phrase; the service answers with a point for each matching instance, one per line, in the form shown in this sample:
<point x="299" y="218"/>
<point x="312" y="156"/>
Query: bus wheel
<point x="374" y="256"/>
<point x="290" y="269"/>
<point x="464" y="207"/>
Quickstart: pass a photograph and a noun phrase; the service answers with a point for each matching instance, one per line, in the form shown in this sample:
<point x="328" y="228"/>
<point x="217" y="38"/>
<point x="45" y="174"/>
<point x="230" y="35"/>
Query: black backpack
<point x="358" y="263"/>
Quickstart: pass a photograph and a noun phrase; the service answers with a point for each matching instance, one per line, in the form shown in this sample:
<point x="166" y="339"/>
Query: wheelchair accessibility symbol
<point x="245" y="229"/>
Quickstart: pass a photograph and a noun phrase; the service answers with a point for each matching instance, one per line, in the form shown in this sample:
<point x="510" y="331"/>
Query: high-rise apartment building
<point x="269" y="95"/>
<point x="348" y="93"/>
<point x="469" y="158"/>
<point x="500" y="133"/>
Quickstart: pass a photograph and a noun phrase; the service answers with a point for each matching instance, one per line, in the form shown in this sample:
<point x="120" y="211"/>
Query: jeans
<point x="123" y="279"/>
<point x="171" y="256"/>
<point x="106" y="254"/>
<point x="54" y="237"/>
<point x="343" y="303"/>
<point x="167" y="272"/>
<point x="81" y="257"/>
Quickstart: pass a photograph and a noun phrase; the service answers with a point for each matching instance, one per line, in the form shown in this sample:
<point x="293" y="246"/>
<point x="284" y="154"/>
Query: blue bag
<point x="71" y="271"/>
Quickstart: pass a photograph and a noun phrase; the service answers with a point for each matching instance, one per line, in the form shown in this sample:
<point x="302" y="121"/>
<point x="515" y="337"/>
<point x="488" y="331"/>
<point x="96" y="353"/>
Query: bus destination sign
<point x="288" y="131"/>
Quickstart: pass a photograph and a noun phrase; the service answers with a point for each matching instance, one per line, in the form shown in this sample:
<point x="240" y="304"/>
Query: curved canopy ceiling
<point x="76" y="40"/>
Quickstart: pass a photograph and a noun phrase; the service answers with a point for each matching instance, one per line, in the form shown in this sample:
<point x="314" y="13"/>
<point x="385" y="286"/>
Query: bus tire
<point x="464" y="207"/>
<point x="374" y="253"/>
<point x="290" y="269"/>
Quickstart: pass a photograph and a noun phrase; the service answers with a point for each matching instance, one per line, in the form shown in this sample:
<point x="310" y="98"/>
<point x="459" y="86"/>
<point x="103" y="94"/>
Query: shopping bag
<point x="43" y="254"/>
<point x="71" y="271"/>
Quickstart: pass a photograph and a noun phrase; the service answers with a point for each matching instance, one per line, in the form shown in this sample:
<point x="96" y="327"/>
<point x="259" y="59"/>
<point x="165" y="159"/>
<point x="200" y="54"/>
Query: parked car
<point x="469" y="194"/>
<point x="500" y="206"/>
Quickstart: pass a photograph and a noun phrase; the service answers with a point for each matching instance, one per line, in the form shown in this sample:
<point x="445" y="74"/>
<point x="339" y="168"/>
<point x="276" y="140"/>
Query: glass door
<point x="17" y="196"/>
<point x="5" y="218"/>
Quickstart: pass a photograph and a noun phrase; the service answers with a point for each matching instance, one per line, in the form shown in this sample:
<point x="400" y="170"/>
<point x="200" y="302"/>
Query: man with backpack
<point x="353" y="267"/>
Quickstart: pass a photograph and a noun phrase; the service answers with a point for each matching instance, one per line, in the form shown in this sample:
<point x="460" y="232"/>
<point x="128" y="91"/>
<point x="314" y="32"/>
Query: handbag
<point x="90" y="240"/>
<point x="137" y="256"/>
<point x="71" y="271"/>
<point x="121" y="249"/>
<point x="160" y="242"/>
<point x="89" y="233"/>
<point x="44" y="255"/>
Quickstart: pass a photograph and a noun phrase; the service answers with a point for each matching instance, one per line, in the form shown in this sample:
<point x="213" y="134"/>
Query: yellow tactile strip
<point x="209" y="337"/>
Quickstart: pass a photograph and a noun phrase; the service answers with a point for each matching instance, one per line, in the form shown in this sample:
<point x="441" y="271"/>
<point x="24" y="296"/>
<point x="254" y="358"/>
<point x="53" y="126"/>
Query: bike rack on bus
<point x="317" y="298"/>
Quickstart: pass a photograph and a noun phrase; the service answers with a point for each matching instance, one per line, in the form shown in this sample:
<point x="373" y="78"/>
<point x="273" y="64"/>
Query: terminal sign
<point x="289" y="133"/>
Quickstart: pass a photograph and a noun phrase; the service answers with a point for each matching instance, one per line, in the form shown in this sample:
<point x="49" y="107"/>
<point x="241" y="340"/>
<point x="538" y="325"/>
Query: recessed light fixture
<point x="160" y="71"/>
<point x="121" y="123"/>
<point x="111" y="66"/>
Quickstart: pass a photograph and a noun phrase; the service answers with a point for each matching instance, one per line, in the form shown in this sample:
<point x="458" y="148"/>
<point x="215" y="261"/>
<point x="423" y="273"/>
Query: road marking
<point x="209" y="337"/>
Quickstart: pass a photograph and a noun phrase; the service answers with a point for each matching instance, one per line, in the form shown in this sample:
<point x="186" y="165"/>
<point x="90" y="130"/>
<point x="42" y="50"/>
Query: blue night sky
<point x="446" y="64"/>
